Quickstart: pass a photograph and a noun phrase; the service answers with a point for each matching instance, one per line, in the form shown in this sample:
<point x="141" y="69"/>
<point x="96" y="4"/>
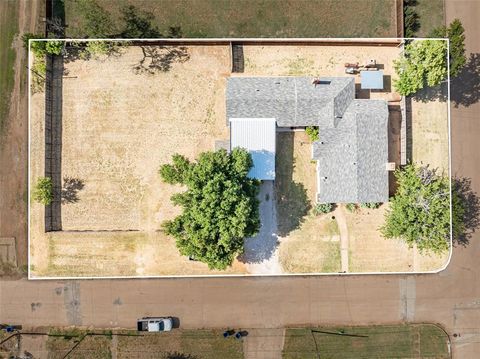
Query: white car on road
<point x="155" y="324"/>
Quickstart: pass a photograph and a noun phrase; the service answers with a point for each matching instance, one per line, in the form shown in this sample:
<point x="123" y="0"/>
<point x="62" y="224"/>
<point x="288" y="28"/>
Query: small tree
<point x="220" y="206"/>
<point x="322" y="208"/>
<point x="420" y="211"/>
<point x="43" y="191"/>
<point x="312" y="133"/>
<point x="424" y="64"/>
<point x="455" y="33"/>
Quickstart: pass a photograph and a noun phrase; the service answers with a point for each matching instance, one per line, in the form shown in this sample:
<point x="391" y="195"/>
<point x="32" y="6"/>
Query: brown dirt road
<point x="13" y="152"/>
<point x="451" y="298"/>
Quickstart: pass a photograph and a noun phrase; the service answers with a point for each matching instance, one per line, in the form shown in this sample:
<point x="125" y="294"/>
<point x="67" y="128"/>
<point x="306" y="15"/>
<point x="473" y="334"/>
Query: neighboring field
<point x="431" y="15"/>
<point x="8" y="29"/>
<point x="400" y="341"/>
<point x="251" y="18"/>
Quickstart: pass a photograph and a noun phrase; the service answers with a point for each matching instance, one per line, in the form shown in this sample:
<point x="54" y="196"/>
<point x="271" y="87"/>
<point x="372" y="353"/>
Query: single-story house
<point x="352" y="150"/>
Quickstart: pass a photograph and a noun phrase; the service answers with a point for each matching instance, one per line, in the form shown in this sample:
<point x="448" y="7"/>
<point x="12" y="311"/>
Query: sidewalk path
<point x="343" y="228"/>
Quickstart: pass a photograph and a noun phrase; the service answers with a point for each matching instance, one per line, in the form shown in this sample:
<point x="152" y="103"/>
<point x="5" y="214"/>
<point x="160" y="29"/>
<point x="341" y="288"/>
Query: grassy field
<point x="400" y="341"/>
<point x="203" y="344"/>
<point x="257" y="18"/>
<point x="8" y="29"/>
<point x="431" y="15"/>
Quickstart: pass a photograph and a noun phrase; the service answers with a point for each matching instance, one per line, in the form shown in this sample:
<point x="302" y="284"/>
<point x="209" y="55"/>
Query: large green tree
<point x="220" y="205"/>
<point x="419" y="212"/>
<point x="455" y="33"/>
<point x="424" y="63"/>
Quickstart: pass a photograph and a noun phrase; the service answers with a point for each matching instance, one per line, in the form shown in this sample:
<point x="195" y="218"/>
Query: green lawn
<point x="430" y="13"/>
<point x="8" y="29"/>
<point x="400" y="341"/>
<point x="257" y="18"/>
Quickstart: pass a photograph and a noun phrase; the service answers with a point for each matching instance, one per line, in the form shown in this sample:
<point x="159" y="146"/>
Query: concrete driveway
<point x="261" y="251"/>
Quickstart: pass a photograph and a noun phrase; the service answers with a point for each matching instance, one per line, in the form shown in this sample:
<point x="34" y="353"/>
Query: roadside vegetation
<point x="419" y="213"/>
<point x="8" y="29"/>
<point x="248" y="18"/>
<point x="395" y="341"/>
<point x="220" y="206"/>
<point x="58" y="343"/>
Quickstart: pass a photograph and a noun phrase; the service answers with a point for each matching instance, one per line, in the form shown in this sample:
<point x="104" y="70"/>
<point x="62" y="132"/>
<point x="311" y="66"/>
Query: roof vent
<point x="324" y="178"/>
<point x="317" y="81"/>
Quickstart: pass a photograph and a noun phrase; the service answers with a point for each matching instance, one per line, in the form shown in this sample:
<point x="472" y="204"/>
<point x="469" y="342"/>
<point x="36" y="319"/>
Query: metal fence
<point x="53" y="139"/>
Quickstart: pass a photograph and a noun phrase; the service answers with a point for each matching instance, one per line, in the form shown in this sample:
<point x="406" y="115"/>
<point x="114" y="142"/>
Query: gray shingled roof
<point x="352" y="152"/>
<point x="352" y="157"/>
<point x="292" y="101"/>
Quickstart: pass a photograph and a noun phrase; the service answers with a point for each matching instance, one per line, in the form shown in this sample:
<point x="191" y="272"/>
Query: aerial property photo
<point x="219" y="157"/>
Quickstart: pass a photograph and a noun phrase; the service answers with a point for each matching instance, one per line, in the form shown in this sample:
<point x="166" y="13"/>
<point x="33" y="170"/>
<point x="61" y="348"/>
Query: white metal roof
<point x="257" y="136"/>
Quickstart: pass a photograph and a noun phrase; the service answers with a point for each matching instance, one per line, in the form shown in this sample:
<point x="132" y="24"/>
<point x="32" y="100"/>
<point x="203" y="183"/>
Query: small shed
<point x="372" y="80"/>
<point x="257" y="136"/>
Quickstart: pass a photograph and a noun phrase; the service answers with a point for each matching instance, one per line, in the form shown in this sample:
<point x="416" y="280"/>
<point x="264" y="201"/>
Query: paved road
<point x="451" y="298"/>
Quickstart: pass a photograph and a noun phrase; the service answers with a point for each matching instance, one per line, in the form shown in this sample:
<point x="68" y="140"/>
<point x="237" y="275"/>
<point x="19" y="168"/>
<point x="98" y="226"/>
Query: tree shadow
<point x="465" y="88"/>
<point x="471" y="203"/>
<point x="160" y="58"/>
<point x="262" y="246"/>
<point x="70" y="189"/>
<point x="292" y="203"/>
<point x="436" y="93"/>
<point x="77" y="50"/>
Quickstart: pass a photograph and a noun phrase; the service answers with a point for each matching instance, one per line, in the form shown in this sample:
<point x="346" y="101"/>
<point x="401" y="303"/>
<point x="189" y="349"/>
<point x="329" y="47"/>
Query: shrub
<point x="312" y="133"/>
<point x="28" y="36"/>
<point x="351" y="207"/>
<point x="371" y="205"/>
<point x="54" y="47"/>
<point x="43" y="191"/>
<point x="322" y="208"/>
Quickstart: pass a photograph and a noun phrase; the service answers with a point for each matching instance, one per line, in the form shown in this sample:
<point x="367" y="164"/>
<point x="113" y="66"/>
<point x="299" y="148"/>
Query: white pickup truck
<point x="155" y="324"/>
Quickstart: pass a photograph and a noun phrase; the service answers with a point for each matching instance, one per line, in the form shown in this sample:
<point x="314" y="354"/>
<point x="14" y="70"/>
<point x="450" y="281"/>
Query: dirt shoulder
<point x="13" y="156"/>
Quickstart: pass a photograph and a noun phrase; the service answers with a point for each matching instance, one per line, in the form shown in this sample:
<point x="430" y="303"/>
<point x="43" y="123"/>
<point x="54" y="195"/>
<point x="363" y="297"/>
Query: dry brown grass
<point x="308" y="244"/>
<point x="430" y="134"/>
<point x="371" y="252"/>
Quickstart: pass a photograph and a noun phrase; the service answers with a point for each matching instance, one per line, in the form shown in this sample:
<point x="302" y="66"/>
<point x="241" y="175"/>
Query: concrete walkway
<point x="343" y="228"/>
